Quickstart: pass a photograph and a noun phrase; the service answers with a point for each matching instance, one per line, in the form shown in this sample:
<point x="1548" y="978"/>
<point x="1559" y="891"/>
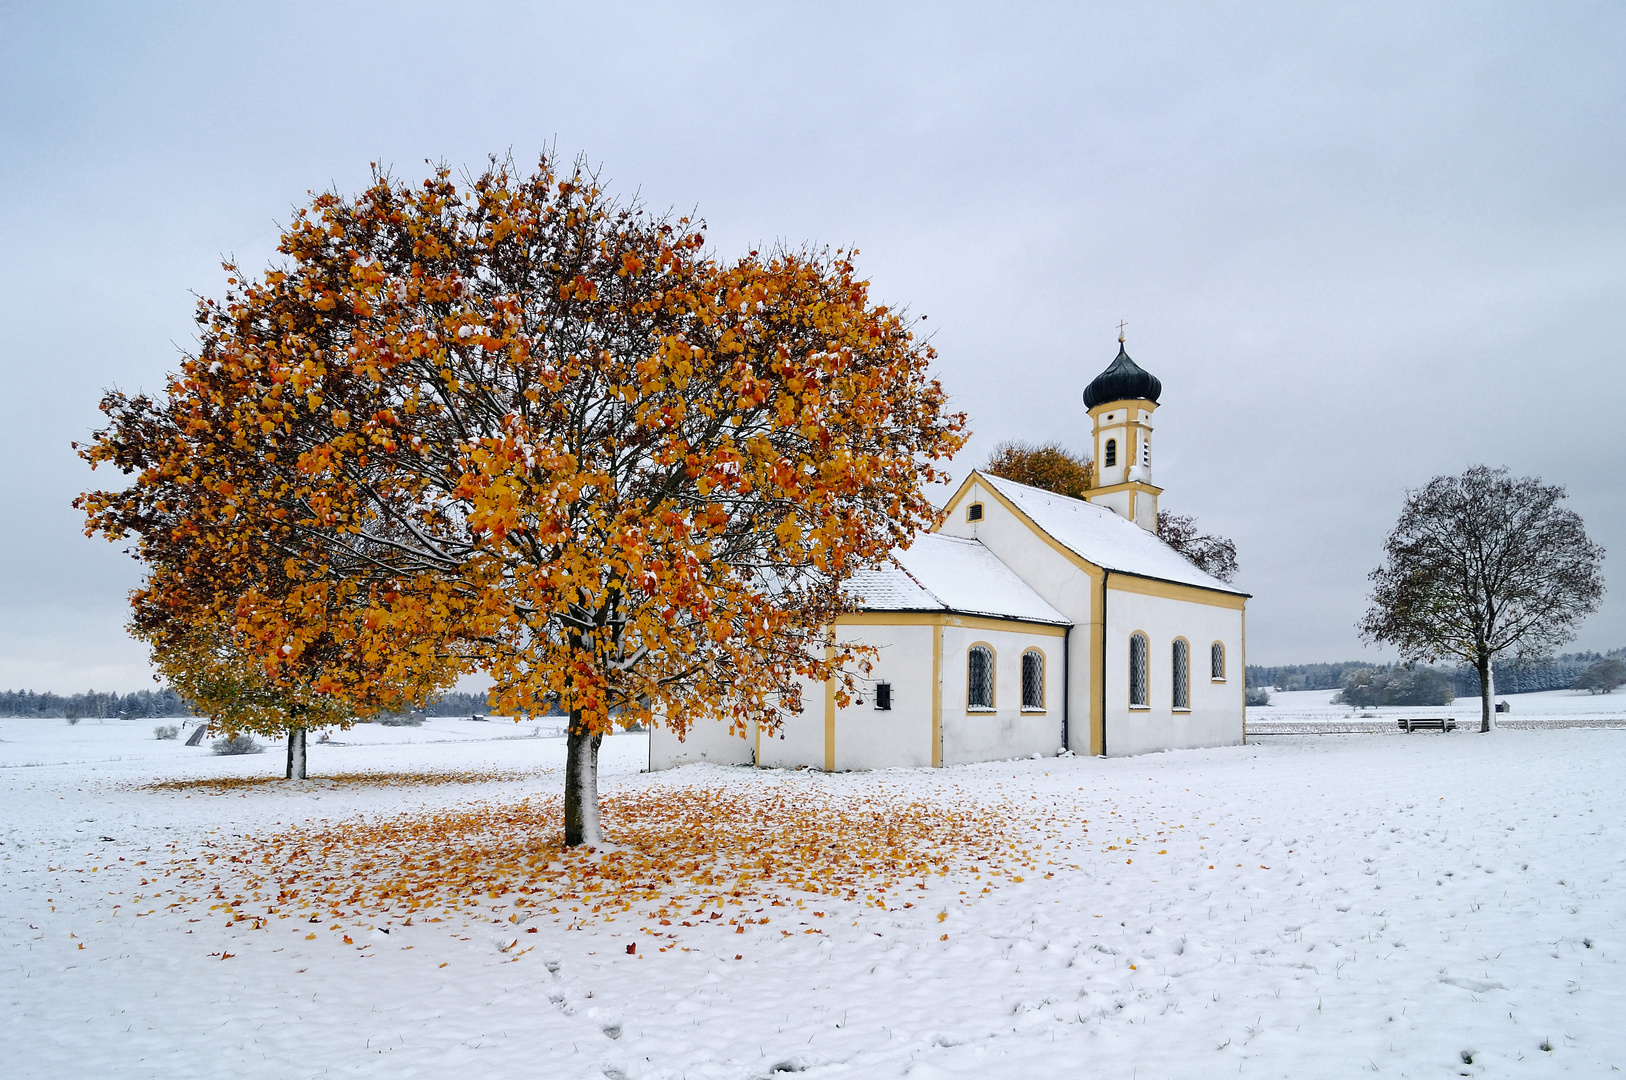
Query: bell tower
<point x="1121" y="401"/>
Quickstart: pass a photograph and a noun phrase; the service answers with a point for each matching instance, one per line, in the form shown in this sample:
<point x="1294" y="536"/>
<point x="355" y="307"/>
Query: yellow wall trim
<point x="1168" y="590"/>
<point x="829" y="718"/>
<point x="1129" y="485"/>
<point x="937" y="697"/>
<point x="927" y="618"/>
<point x="1242" y="665"/>
<point x="1113" y="406"/>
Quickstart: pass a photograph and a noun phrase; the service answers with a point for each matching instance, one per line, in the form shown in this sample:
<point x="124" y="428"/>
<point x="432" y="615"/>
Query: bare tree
<point x="1602" y="677"/>
<point x="1480" y="565"/>
<point x="1213" y="555"/>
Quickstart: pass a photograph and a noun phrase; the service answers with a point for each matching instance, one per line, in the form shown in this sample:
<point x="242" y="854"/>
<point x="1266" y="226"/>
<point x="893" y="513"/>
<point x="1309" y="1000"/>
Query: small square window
<point x="975" y="513"/>
<point x="883" y="696"/>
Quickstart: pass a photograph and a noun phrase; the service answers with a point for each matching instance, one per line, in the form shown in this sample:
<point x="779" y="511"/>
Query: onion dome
<point x="1123" y="380"/>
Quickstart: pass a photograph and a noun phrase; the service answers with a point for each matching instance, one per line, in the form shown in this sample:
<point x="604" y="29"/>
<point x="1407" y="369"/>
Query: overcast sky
<point x="1360" y="245"/>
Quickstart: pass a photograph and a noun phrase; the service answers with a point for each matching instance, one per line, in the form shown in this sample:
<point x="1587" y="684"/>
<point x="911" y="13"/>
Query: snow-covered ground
<point x="1305" y="906"/>
<point x="1313" y="711"/>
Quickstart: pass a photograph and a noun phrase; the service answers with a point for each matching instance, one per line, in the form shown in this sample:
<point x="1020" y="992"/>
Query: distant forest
<point x="92" y="705"/>
<point x="1553" y="673"/>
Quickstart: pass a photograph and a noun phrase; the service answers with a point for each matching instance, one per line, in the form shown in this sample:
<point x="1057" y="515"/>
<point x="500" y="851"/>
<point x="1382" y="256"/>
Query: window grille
<point x="1216" y="661"/>
<point x="1182" y="675"/>
<point x="1112" y="453"/>
<point x="883" y="696"/>
<point x="1033" y="679"/>
<point x="980" y="678"/>
<point x="1137" y="669"/>
<point x="975" y="513"/>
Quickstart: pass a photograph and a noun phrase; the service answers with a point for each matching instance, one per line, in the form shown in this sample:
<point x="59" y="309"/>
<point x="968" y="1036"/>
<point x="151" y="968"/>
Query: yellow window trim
<point x="1178" y="638"/>
<point x="1129" y="681"/>
<point x="1044" y="678"/>
<point x="993" y="680"/>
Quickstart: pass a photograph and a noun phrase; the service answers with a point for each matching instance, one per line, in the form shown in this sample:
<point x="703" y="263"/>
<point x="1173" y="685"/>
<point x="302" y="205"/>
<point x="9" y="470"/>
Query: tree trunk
<point x="1487" y="690"/>
<point x="581" y="785"/>
<point x="296" y="753"/>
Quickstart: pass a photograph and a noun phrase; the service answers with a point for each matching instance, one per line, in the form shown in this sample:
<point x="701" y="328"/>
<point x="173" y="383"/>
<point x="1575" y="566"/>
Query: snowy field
<point x="1314" y="712"/>
<point x="1418" y="905"/>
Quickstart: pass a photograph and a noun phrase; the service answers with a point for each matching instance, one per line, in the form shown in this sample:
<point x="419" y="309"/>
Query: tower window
<point x="974" y="512"/>
<point x="883" y="696"/>
<point x="1216" y="662"/>
<point x="1033" y="679"/>
<point x="1111" y="453"/>
<point x="1182" y="675"/>
<point x="1137" y="670"/>
<point x="979" y="689"/>
<point x="1146" y="452"/>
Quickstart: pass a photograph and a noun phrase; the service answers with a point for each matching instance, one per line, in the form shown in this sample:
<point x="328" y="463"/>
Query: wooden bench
<point x="1429" y="722"/>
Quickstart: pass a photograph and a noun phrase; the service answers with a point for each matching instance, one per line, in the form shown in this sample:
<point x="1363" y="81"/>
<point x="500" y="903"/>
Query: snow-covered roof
<point x="947" y="573"/>
<point x="1098" y="535"/>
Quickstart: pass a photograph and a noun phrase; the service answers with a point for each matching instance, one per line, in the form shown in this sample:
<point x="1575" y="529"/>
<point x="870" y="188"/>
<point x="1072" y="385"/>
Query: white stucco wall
<point x="866" y="737"/>
<point x="1007" y="730"/>
<point x="901" y="737"/>
<point x="707" y="740"/>
<point x="1216" y="714"/>
<point x="1053" y="576"/>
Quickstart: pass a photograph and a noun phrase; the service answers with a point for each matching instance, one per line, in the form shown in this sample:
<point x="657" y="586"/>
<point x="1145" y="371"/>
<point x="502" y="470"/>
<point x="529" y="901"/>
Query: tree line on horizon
<point x="1585" y="670"/>
<point x="142" y="704"/>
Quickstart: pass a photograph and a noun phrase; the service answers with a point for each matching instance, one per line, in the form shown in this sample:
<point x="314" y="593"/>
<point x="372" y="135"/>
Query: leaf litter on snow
<point x="671" y="852"/>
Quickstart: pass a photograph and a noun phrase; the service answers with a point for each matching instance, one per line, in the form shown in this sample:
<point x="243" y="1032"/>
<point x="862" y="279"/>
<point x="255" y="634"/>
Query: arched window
<point x="1137" y="669"/>
<point x="1216" y="661"/>
<point x="1111" y="453"/>
<point x="1033" y="679"/>
<point x="1182" y="675"/>
<point x="979" y="684"/>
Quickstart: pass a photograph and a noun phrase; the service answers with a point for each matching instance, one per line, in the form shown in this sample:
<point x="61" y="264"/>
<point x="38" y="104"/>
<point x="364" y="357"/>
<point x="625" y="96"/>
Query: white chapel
<point x="1026" y="623"/>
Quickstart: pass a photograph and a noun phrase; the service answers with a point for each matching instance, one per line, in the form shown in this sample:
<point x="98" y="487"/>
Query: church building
<point x="1026" y="623"/>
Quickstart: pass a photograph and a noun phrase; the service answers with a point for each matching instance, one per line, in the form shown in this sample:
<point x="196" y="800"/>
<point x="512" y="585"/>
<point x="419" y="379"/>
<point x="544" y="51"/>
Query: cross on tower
<point x="1121" y="326"/>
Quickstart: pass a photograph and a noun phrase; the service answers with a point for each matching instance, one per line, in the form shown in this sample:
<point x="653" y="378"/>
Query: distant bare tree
<point x="1480" y="565"/>
<point x="1214" y="555"/>
<point x="1602" y="677"/>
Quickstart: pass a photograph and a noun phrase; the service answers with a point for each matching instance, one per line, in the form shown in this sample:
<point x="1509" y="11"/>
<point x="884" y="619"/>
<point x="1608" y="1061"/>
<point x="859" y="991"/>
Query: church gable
<point x="1092" y="536"/>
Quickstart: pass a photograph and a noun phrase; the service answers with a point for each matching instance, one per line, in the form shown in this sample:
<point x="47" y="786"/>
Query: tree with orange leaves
<point x="1051" y="466"/>
<point x="536" y="431"/>
<point x="257" y="618"/>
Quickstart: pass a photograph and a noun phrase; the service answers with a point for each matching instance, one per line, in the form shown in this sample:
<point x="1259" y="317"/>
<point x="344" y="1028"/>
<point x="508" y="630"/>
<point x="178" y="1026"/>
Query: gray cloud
<point x="1360" y="246"/>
